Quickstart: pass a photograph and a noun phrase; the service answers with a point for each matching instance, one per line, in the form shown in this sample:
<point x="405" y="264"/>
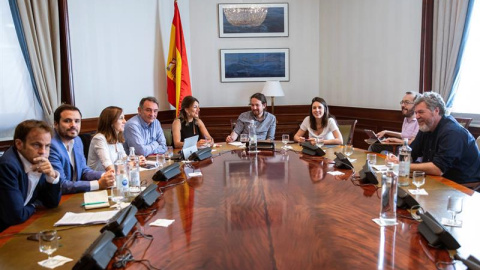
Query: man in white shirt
<point x="27" y="179"/>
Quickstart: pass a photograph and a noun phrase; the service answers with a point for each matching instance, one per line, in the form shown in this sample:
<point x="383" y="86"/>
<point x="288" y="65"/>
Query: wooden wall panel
<point x="217" y="120"/>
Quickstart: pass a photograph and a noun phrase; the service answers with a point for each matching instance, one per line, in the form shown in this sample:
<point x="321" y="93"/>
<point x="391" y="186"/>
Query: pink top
<point x="409" y="128"/>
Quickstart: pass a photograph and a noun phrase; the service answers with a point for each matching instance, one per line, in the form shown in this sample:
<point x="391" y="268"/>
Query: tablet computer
<point x="372" y="137"/>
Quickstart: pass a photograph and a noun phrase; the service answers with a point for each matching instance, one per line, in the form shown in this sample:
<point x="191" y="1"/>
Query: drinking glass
<point x="48" y="243"/>
<point x="285" y="140"/>
<point x="372" y="159"/>
<point x="348" y="150"/>
<point x="418" y="179"/>
<point x="454" y="207"/>
<point x="319" y="141"/>
<point x="160" y="160"/>
<point x="117" y="196"/>
<point x="169" y="153"/>
<point x="244" y="139"/>
<point x="208" y="141"/>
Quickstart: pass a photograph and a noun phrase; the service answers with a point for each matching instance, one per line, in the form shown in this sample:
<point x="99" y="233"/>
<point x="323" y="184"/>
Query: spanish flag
<point x="178" y="77"/>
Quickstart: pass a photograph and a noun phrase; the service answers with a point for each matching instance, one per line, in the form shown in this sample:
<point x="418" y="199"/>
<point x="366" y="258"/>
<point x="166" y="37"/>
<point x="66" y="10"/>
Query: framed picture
<point x="254" y="65"/>
<point x="253" y="20"/>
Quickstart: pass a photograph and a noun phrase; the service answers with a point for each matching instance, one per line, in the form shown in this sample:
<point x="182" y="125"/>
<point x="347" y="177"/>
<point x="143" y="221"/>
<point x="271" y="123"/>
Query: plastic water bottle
<point x="134" y="172"/>
<point x="252" y="137"/>
<point x="388" y="207"/>
<point x="121" y="175"/>
<point x="404" y="157"/>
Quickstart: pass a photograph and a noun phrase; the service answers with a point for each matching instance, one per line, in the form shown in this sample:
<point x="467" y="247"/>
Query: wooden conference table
<point x="269" y="211"/>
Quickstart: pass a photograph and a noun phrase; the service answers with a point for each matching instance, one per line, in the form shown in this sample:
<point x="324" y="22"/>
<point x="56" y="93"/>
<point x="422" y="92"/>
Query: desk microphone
<point x="471" y="262"/>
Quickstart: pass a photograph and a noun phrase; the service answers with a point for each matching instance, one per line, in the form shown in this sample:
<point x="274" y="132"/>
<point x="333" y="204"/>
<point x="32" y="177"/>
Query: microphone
<point x="342" y="162"/>
<point x="367" y="175"/>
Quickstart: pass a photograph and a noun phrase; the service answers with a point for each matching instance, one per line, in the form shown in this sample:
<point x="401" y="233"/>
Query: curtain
<point x="448" y="27"/>
<point x="456" y="74"/>
<point x="40" y="25"/>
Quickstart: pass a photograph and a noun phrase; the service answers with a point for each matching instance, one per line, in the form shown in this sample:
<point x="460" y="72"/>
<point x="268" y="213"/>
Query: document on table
<point x="239" y="144"/>
<point x="85" y="218"/>
<point x="95" y="199"/>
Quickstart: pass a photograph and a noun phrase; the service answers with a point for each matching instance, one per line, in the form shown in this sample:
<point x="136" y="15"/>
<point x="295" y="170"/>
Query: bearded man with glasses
<point x="409" y="127"/>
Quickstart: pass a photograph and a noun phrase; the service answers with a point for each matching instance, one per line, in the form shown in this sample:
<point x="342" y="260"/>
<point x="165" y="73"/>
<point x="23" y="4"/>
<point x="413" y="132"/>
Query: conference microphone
<point x="367" y="175"/>
<point x="168" y="172"/>
<point x="471" y="262"/>
<point x="342" y="162"/>
<point x="312" y="150"/>
<point x="147" y="197"/>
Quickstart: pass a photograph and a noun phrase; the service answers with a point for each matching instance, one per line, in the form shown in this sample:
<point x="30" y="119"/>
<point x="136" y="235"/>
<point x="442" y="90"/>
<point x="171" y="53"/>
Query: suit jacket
<point x="61" y="162"/>
<point x="14" y="189"/>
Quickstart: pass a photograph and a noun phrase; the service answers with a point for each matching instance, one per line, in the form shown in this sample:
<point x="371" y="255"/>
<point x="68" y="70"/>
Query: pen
<point x="92" y="203"/>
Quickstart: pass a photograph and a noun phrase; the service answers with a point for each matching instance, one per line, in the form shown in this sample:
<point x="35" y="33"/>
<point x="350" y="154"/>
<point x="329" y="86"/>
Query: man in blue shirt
<point x="442" y="146"/>
<point x="265" y="122"/>
<point x="27" y="179"/>
<point x="144" y="131"/>
<point x="67" y="154"/>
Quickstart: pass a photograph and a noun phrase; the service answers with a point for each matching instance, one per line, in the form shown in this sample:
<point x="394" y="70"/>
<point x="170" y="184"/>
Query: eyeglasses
<point x="406" y="102"/>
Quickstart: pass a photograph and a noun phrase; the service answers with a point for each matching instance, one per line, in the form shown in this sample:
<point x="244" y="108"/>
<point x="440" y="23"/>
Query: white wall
<point x="352" y="53"/>
<point x="369" y="51"/>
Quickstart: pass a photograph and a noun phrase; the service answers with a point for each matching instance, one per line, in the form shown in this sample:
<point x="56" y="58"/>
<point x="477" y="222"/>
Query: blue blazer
<point x="61" y="162"/>
<point x="14" y="189"/>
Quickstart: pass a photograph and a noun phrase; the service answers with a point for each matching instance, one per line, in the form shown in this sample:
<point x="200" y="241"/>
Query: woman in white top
<point x="320" y="124"/>
<point x="106" y="145"/>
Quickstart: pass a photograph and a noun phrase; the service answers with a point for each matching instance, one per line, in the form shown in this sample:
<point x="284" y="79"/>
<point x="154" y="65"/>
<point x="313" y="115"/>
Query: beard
<point x="66" y="134"/>
<point x="407" y="113"/>
<point x="426" y="126"/>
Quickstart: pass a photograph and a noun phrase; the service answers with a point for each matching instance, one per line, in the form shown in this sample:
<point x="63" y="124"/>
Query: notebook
<point x="95" y="199"/>
<point x="189" y="146"/>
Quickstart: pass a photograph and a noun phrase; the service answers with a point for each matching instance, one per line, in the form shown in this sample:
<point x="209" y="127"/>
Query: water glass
<point x="454" y="207"/>
<point x="169" y="153"/>
<point x="117" y="195"/>
<point x="160" y="160"/>
<point x="319" y="141"/>
<point x="372" y="159"/>
<point x="285" y="140"/>
<point x="208" y="141"/>
<point x="418" y="179"/>
<point x="348" y="150"/>
<point x="48" y="243"/>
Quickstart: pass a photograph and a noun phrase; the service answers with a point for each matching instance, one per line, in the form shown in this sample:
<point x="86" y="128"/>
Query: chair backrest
<point x="465" y="122"/>
<point x="478" y="142"/>
<point x="347" y="129"/>
<point x="168" y="136"/>
<point x="86" y="140"/>
<point x="167" y="132"/>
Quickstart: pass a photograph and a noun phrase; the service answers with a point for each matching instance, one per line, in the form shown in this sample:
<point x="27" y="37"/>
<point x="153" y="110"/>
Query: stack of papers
<point x="95" y="199"/>
<point x="85" y="218"/>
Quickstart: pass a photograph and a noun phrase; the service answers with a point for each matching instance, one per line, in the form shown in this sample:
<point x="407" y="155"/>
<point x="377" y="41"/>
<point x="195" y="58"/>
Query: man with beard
<point x="265" y="122"/>
<point x="27" y="179"/>
<point x="67" y="154"/>
<point x="409" y="127"/>
<point x="442" y="146"/>
<point x="144" y="131"/>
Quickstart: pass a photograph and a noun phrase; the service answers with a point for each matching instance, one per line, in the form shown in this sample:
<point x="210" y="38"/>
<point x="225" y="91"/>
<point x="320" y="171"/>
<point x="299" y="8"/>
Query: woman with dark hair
<point x="107" y="145"/>
<point x="187" y="124"/>
<point x="320" y="124"/>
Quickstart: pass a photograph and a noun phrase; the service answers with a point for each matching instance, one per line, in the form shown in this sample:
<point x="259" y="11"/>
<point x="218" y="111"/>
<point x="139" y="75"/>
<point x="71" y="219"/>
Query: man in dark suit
<point x="27" y="179"/>
<point x="67" y="154"/>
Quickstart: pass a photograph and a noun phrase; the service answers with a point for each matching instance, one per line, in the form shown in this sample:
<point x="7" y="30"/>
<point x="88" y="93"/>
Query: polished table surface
<point x="277" y="210"/>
